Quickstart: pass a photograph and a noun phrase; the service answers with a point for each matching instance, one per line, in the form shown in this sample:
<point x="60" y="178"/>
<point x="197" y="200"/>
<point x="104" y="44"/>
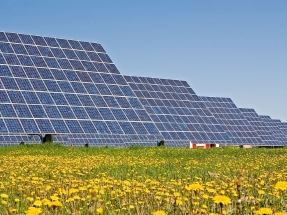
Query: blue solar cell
<point x="45" y="98"/>
<point x="37" y="111"/>
<point x="114" y="127"/>
<point x="93" y="113"/>
<point x="119" y="114"/>
<point x="31" y="97"/>
<point x="45" y="126"/>
<point x="59" y="126"/>
<point x="13" y="125"/>
<point x="97" y="47"/>
<point x="6" y="110"/>
<point x="52" y="86"/>
<point x="22" y="111"/>
<point x="3" y="128"/>
<point x="100" y="67"/>
<point x="25" y="60"/>
<point x="80" y="113"/>
<point x="29" y="126"/>
<point x="19" y="49"/>
<point x="103" y="89"/>
<point x="75" y="44"/>
<point x="127" y="91"/>
<point x="65" y="86"/>
<point x="52" y="111"/>
<point x="45" y="51"/>
<point x="39" y="40"/>
<point x="143" y="115"/>
<point x="2" y="59"/>
<point x="38" y="61"/>
<point x="87" y="46"/>
<point x="70" y="54"/>
<point x="127" y="128"/>
<point x="26" y="39"/>
<point x="51" y="62"/>
<point x="63" y="43"/>
<point x="84" y="77"/>
<point x="86" y="100"/>
<point x="3" y="37"/>
<point x="115" y="90"/>
<point x="78" y="87"/>
<point x="76" y="65"/>
<point x="91" y="88"/>
<point x="16" y="97"/>
<point x="38" y="85"/>
<point x="131" y="115"/>
<point x="66" y="112"/>
<point x="24" y="84"/>
<point x="89" y="66"/>
<point x="105" y="58"/>
<point x="123" y="102"/>
<point x="99" y="101"/>
<point x="73" y="99"/>
<point x="106" y="114"/>
<point x="101" y="127"/>
<point x="6" y="48"/>
<point x="88" y="127"/>
<point x="11" y="59"/>
<point x="51" y="41"/>
<point x="45" y="73"/>
<point x="94" y="56"/>
<point x="139" y="128"/>
<point x="58" y="53"/>
<point x="59" y="99"/>
<point x="111" y="101"/>
<point x="97" y="78"/>
<point x="32" y="50"/>
<point x="5" y="71"/>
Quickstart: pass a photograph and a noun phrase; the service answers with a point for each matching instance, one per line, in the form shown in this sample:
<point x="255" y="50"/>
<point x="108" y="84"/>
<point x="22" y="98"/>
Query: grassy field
<point x="51" y="179"/>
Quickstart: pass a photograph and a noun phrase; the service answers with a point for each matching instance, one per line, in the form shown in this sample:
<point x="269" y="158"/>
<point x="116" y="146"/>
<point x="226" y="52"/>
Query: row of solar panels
<point x="73" y="90"/>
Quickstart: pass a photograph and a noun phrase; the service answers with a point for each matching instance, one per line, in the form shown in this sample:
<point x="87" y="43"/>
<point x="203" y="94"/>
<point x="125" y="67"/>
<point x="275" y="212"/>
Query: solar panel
<point x="69" y="88"/>
<point x="177" y="111"/>
<point x="274" y="126"/>
<point x="260" y="127"/>
<point x="239" y="130"/>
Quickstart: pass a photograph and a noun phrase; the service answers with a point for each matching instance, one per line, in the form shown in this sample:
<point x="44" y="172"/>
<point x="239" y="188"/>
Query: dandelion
<point x="263" y="211"/>
<point x="100" y="211"/>
<point x="222" y="199"/>
<point x="281" y="185"/>
<point x="4" y="196"/>
<point x="159" y="213"/>
<point x="37" y="203"/>
<point x="33" y="211"/>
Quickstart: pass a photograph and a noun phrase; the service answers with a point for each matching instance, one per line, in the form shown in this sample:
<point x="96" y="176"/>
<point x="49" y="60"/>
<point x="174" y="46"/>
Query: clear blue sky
<point x="235" y="49"/>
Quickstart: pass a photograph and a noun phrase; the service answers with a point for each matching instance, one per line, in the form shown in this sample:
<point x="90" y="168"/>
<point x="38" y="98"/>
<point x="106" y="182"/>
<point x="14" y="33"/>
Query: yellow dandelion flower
<point x="100" y="210"/>
<point x="33" y="211"/>
<point x="281" y="185"/>
<point x="4" y="196"/>
<point x="263" y="211"/>
<point x="159" y="213"/>
<point x="3" y="202"/>
<point x="56" y="204"/>
<point x="37" y="203"/>
<point x="194" y="187"/>
<point x="221" y="199"/>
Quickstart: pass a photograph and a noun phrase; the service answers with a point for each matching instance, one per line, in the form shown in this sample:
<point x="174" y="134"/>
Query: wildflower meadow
<point x="51" y="179"/>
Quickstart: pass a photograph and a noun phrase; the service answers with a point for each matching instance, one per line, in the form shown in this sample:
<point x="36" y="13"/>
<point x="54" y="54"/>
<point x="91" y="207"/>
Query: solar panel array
<point x="177" y="111"/>
<point x="58" y="86"/>
<point x="239" y="130"/>
<point x="72" y="90"/>
<point x="276" y="131"/>
<point x="260" y="127"/>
